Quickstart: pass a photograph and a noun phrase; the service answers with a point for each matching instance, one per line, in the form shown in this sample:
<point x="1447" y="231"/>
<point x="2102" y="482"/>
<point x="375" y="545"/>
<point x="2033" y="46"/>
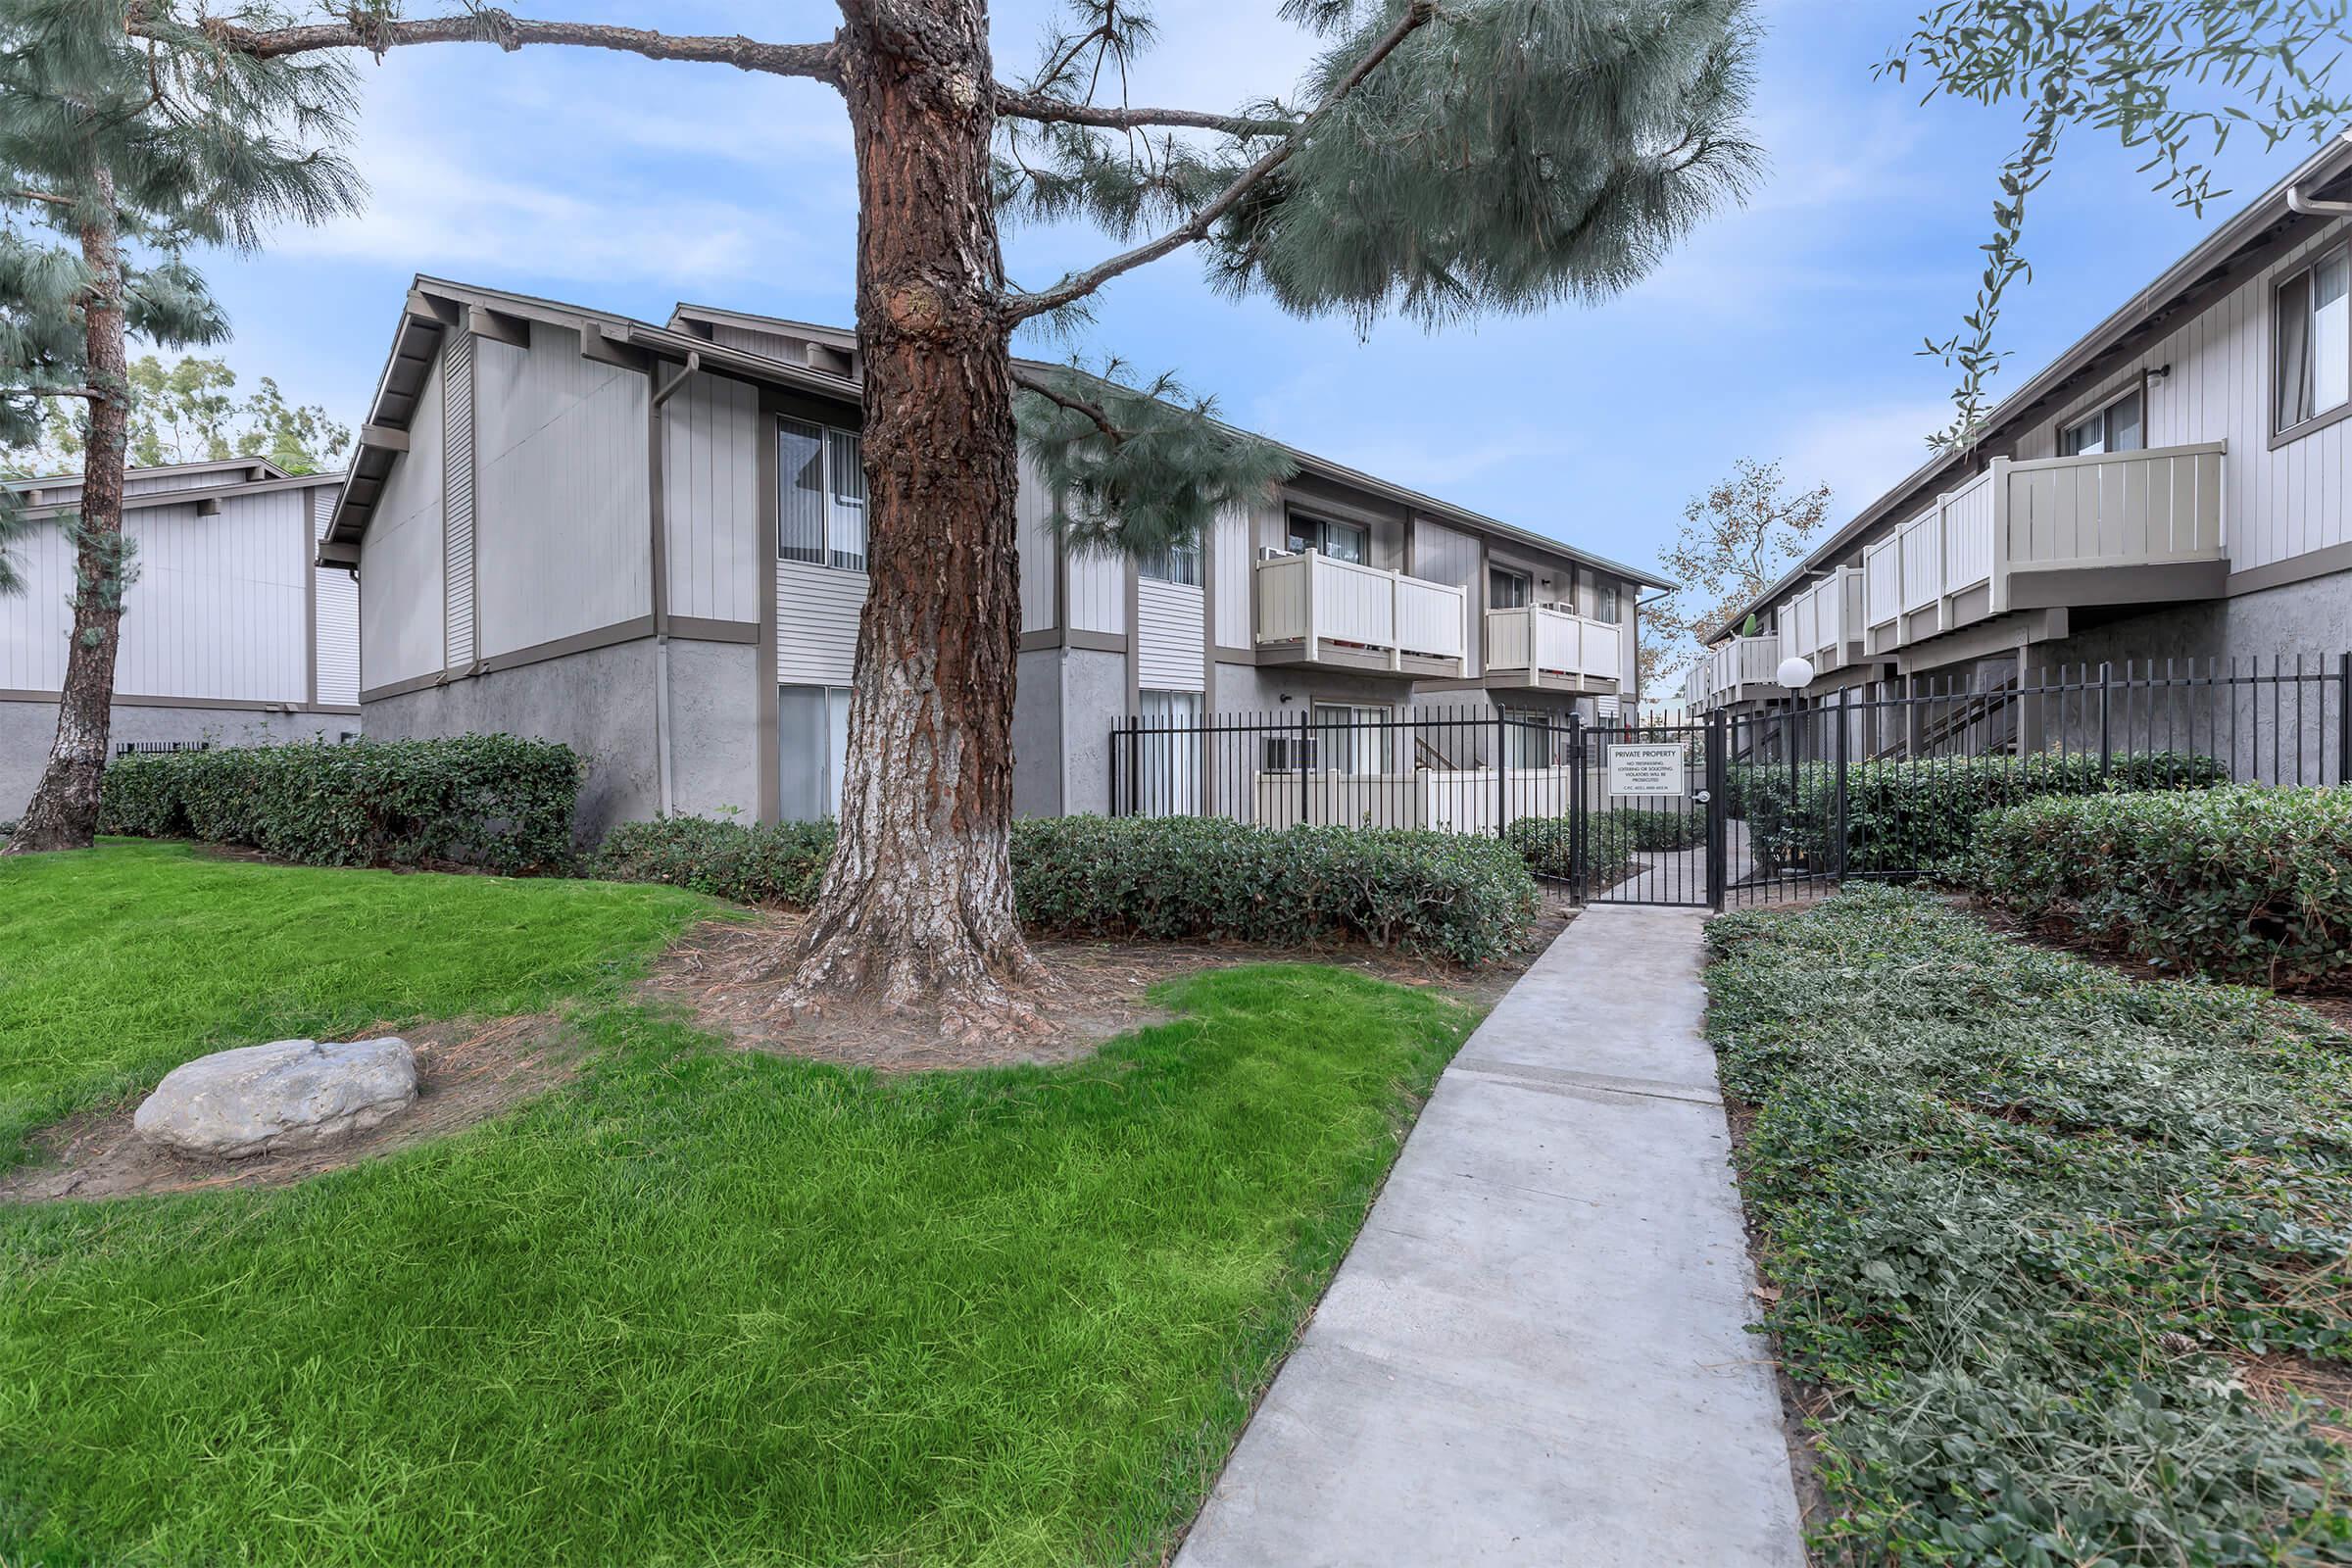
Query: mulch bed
<point x="466" y="1071"/>
<point x="720" y="973"/>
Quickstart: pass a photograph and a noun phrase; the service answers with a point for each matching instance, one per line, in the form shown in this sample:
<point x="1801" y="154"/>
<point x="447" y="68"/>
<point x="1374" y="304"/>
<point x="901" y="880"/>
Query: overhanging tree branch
<point x="1013" y="103"/>
<point x="1094" y="412"/>
<point x="1022" y="307"/>
<point x="815" y="61"/>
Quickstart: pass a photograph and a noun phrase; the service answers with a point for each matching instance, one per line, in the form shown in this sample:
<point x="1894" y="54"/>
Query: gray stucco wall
<point x="715" y="729"/>
<point x="1037" y="734"/>
<point x="27" y="730"/>
<point x="1094" y="698"/>
<point x="598" y="703"/>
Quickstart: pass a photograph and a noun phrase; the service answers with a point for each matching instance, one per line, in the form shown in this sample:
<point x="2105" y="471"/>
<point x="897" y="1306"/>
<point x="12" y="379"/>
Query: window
<point x="813" y="743"/>
<point x="820" y="515"/>
<point x="1506" y="589"/>
<point x="2315" y="341"/>
<point x="1341" y="541"/>
<point x="1528" y="736"/>
<point x="1605" y="603"/>
<point x="1176" y="564"/>
<point x="1167" y="754"/>
<point x="2117" y="428"/>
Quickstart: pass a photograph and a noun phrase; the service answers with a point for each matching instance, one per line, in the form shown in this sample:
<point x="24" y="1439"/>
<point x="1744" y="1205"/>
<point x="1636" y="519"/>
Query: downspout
<point x="662" y="395"/>
<point x="2313" y="207"/>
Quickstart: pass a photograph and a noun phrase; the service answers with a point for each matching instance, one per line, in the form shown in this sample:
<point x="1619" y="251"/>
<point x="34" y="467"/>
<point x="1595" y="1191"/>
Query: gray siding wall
<point x="1097" y="599"/>
<point x="1231" y="560"/>
<point x="710" y="498"/>
<point x="401" y="613"/>
<point x="337" y="591"/>
<point x="1450" y="555"/>
<point x="562" y="533"/>
<point x="1039" y="551"/>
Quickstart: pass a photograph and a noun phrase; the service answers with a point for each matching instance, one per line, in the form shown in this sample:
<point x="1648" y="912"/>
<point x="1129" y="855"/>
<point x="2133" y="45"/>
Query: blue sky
<point x="1784" y="331"/>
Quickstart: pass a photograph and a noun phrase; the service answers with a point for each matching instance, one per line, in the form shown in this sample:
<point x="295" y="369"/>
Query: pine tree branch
<point x="815" y="61"/>
<point x="1071" y="401"/>
<point x="1022" y="307"/>
<point x="1015" y="104"/>
<point x="35" y="196"/>
<point x="88" y="393"/>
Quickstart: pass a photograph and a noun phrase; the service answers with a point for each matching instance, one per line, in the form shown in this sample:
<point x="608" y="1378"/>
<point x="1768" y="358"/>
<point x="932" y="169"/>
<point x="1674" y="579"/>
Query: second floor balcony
<point x="1737" y="671"/>
<point x="1314" y="610"/>
<point x="1539" y="646"/>
<point x="2124" y="527"/>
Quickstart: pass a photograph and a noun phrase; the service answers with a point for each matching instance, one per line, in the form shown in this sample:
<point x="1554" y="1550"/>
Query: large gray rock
<point x="291" y="1094"/>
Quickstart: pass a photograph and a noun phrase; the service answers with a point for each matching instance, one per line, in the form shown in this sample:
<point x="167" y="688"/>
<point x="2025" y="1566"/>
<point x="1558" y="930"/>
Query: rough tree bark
<point x="916" y="911"/>
<point x="63" y="813"/>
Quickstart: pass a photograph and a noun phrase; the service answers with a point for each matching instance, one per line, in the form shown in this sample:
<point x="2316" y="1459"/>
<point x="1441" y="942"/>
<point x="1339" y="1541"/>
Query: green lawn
<point x="698" y="1307"/>
<point x="2029" y="1219"/>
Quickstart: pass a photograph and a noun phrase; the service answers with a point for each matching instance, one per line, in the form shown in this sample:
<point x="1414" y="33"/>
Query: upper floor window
<point x="821" y="515"/>
<point x="2315" y="341"/>
<point x="1341" y="541"/>
<point x="2117" y="428"/>
<point x="1176" y="564"/>
<point x="1507" y="589"/>
<point x="1606" y="603"/>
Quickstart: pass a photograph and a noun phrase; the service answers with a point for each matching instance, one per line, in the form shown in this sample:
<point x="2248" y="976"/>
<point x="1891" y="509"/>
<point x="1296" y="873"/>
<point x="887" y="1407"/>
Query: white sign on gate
<point x="1648" y="770"/>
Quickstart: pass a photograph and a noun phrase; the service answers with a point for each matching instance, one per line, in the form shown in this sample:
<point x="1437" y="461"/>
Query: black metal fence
<point x="1768" y="801"/>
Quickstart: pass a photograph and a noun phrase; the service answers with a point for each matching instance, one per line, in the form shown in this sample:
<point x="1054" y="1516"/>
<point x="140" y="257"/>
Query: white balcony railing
<point x="1553" y="642"/>
<point x="1821" y="625"/>
<point x="2162" y="507"/>
<point x="1322" y="604"/>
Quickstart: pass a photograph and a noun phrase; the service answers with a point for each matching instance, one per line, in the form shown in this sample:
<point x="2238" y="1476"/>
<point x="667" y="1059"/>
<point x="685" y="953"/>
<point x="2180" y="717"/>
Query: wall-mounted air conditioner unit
<point x="1271" y="552"/>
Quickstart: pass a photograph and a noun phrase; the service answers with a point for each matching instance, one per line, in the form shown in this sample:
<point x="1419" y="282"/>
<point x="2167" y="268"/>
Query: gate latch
<point x="1700" y="796"/>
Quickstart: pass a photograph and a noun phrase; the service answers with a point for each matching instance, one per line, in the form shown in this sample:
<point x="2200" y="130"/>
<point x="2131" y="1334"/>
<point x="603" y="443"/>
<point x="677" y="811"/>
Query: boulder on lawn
<point x="289" y="1093"/>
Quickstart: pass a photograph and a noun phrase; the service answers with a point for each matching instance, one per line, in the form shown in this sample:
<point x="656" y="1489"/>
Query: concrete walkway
<point x="1533" y="1353"/>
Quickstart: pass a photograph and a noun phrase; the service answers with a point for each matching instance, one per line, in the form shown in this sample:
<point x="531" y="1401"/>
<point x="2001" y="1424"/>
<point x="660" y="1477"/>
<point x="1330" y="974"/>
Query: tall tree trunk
<point x="916" y="911"/>
<point x="63" y="813"/>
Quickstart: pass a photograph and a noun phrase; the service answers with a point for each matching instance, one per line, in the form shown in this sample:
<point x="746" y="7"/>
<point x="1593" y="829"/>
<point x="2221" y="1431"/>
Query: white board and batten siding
<point x="1039" y="551"/>
<point x="402" y="631"/>
<point x="562" y="475"/>
<point x="337" y="592"/>
<point x="1449" y="556"/>
<point x="2275" y="504"/>
<point x="1233" y="550"/>
<point x="1170" y="618"/>
<point x="710" y="498"/>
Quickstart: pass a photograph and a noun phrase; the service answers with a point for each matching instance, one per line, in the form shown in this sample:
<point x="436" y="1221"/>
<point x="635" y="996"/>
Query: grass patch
<point x="2028" y="1216"/>
<point x="705" y="1307"/>
<point x="118" y="966"/>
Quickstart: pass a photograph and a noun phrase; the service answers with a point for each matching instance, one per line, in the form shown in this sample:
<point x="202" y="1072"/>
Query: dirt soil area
<point x="721" y="974"/>
<point x="466" y="1071"/>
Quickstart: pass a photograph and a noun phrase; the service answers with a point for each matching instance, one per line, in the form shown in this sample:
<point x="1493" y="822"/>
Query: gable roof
<point x="51" y="494"/>
<point x="2220" y="262"/>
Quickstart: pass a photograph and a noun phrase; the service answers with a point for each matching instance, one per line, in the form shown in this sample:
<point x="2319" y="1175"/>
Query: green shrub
<point x="746" y="862"/>
<point x="1659" y="832"/>
<point x="1911" y="817"/>
<point x="2249" y="882"/>
<point x="486" y="800"/>
<point x="1612" y="838"/>
<point x="1179" y="878"/>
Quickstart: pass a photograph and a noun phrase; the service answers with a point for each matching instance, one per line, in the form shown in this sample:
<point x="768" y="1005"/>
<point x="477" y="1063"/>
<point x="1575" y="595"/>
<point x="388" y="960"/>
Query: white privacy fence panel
<point x="1968" y="534"/>
<point x="1921" y="548"/>
<point x="2118" y="510"/>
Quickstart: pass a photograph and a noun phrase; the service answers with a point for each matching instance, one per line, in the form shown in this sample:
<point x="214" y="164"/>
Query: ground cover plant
<point x="2249" y="883"/>
<point x="699" y="1305"/>
<point x="2028" y="1220"/>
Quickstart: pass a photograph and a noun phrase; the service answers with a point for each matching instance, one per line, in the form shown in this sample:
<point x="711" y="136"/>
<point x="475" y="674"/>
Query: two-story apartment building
<point x="649" y="541"/>
<point x="230" y="632"/>
<point x="2171" y="487"/>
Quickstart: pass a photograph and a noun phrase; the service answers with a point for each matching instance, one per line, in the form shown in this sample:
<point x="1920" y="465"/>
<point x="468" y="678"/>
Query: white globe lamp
<point x="1795" y="674"/>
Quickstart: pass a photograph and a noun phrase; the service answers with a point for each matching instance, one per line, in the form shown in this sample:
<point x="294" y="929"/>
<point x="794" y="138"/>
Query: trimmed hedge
<point x="486" y="800"/>
<point x="1159" y="878"/>
<point x="1177" y="878"/>
<point x="1612" y="839"/>
<point x="745" y="863"/>
<point x="1659" y="832"/>
<point x="2248" y="882"/>
<point x="1913" y="816"/>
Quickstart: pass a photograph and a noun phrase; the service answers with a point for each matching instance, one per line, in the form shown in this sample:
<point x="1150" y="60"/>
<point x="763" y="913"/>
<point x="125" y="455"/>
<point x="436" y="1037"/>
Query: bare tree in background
<point x="1736" y="541"/>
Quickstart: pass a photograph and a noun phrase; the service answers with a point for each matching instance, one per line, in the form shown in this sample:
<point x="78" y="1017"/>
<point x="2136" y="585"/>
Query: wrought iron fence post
<point x="2106" y="719"/>
<point x="1502" y="788"/>
<point x="1718" y="835"/>
<point x="1575" y="806"/>
<point x="1114" y="771"/>
<point x="2343" y="718"/>
<point x="1838" y="860"/>
<point x="1305" y="799"/>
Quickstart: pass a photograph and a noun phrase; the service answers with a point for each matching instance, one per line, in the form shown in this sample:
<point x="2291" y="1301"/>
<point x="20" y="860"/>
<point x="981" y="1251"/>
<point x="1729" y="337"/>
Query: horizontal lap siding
<point x="710" y="499"/>
<point x="816" y="623"/>
<point x="1170" y="618"/>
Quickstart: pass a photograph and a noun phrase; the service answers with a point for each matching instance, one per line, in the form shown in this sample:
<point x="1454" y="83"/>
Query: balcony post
<point x="1395" y="620"/>
<point x="1997" y="589"/>
<point x="1314" y="651"/>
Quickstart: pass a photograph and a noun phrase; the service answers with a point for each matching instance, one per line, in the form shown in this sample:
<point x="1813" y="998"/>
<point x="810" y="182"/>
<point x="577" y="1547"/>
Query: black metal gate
<point x="1647" y="819"/>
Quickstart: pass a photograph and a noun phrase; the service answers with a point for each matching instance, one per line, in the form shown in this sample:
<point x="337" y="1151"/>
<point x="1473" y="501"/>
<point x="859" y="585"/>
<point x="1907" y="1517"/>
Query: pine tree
<point x="1444" y="161"/>
<point x="118" y="154"/>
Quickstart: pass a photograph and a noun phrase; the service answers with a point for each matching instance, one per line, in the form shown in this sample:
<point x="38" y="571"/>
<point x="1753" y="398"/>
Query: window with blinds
<point x="820" y="514"/>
